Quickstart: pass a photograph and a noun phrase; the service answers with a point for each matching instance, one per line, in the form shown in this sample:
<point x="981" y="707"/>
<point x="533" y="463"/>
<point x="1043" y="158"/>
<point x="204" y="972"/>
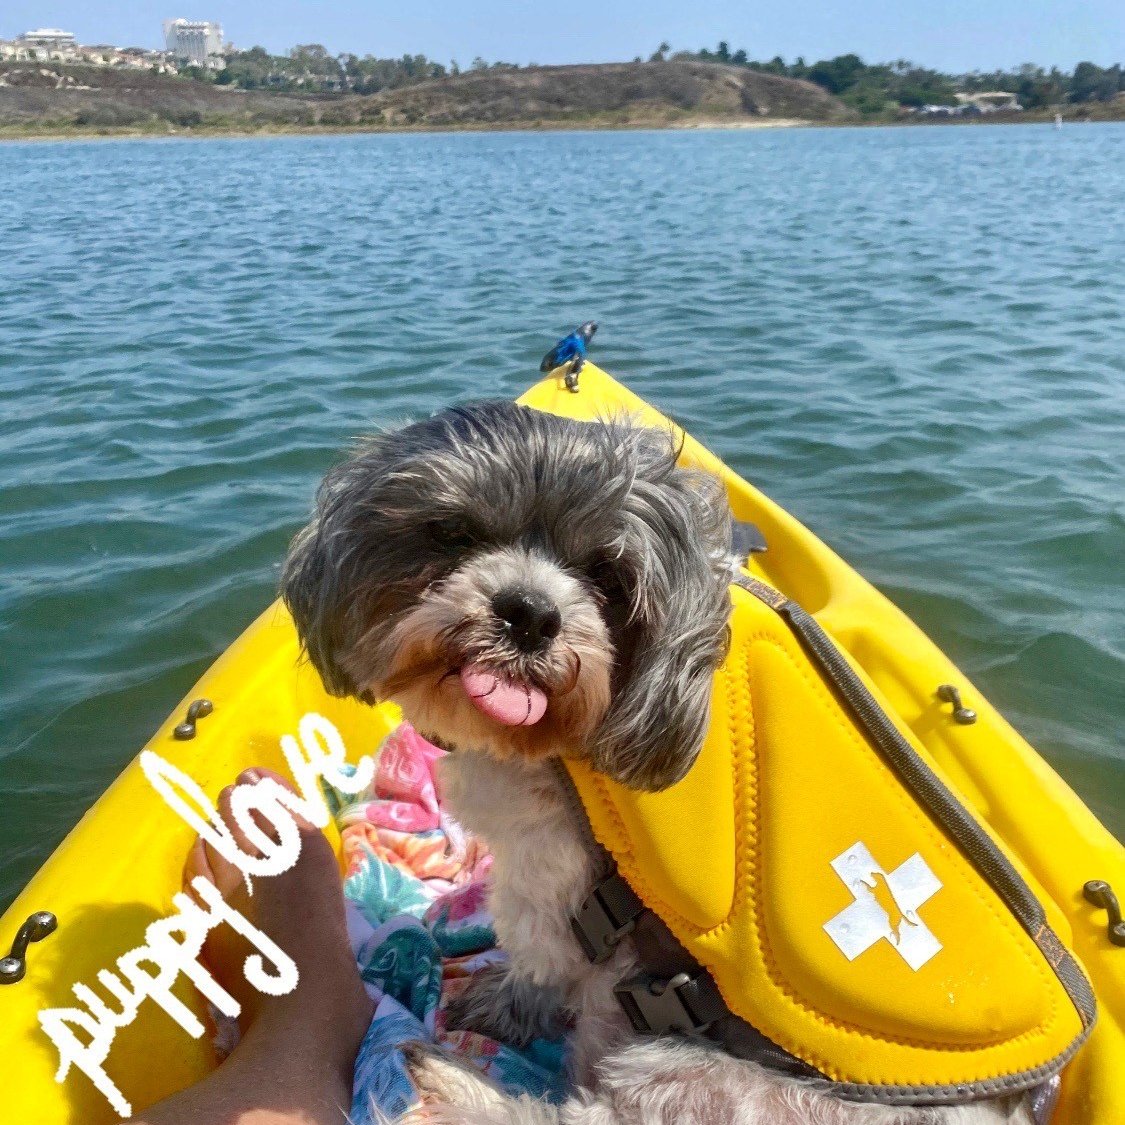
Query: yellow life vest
<point x="826" y="895"/>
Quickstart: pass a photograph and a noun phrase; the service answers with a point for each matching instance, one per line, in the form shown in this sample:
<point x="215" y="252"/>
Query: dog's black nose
<point x="532" y="619"/>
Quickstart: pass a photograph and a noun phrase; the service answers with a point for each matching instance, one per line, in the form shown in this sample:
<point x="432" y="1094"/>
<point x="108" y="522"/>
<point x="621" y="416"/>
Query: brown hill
<point x="51" y="98"/>
<point x="609" y="93"/>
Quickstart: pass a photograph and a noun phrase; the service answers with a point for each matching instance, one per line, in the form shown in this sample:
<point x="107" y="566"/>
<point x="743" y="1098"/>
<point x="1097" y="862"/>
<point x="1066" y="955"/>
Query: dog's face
<point x="522" y="585"/>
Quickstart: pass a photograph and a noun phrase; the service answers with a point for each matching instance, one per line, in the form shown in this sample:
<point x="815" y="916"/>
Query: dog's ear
<point x="312" y="596"/>
<point x="326" y="579"/>
<point x="678" y="547"/>
<point x="313" y="606"/>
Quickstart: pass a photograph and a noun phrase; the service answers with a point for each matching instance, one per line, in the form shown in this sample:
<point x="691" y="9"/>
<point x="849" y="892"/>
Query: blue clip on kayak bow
<point x="570" y="352"/>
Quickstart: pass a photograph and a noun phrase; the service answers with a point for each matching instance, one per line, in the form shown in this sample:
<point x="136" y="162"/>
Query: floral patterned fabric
<point x="415" y="891"/>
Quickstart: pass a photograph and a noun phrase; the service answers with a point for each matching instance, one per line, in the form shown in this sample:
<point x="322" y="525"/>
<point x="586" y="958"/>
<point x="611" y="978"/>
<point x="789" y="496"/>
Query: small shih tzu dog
<point x="528" y="587"/>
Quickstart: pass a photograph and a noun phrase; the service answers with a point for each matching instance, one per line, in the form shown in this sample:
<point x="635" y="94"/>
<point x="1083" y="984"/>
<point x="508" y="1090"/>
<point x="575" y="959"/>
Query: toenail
<point x="252" y="775"/>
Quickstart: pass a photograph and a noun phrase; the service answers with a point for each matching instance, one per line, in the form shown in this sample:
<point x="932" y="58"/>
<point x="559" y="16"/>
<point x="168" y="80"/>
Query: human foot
<point x="302" y="910"/>
<point x="293" y="1065"/>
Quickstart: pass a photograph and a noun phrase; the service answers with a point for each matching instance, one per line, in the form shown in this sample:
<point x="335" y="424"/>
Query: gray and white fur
<point x="620" y="561"/>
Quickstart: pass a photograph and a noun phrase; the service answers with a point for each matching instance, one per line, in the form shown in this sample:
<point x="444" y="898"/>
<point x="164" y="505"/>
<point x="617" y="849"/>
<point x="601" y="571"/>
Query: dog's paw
<point x="444" y="1081"/>
<point x="508" y="1008"/>
<point x="454" y="1092"/>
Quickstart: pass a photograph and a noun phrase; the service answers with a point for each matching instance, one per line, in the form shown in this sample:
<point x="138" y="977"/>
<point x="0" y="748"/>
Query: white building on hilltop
<point x="44" y="44"/>
<point x="49" y="44"/>
<point x="198" y="41"/>
<point x="50" y="38"/>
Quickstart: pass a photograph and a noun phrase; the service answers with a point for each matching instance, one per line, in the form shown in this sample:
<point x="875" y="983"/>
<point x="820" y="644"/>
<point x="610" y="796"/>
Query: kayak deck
<point x="117" y="870"/>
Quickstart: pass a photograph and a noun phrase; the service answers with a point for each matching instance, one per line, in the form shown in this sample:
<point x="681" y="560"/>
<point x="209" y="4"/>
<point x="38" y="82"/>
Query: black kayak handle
<point x="1099" y="893"/>
<point x="199" y="709"/>
<point x="40" y="925"/>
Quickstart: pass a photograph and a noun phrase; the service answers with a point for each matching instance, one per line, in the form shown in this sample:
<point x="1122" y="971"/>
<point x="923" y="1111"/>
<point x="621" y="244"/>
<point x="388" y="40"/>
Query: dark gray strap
<point x="664" y="959"/>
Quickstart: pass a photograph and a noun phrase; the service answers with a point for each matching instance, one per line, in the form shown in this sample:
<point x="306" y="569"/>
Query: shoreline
<point x="43" y="103"/>
<point x="212" y="133"/>
<point x="204" y="132"/>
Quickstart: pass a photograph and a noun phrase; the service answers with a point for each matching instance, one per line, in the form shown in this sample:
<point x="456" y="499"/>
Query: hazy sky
<point x="949" y="34"/>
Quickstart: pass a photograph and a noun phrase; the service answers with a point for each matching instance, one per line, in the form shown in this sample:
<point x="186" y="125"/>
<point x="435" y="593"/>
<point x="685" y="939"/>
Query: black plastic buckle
<point x="747" y="539"/>
<point x="684" y="1003"/>
<point x="610" y="912"/>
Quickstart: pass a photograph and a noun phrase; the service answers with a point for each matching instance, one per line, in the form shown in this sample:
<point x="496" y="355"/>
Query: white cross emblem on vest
<point x="868" y="920"/>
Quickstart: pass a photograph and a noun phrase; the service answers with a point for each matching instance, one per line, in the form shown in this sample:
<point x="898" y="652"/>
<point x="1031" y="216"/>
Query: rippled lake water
<point x="912" y="338"/>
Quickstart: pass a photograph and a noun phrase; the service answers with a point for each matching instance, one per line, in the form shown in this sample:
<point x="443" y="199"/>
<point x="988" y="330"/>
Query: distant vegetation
<point x="37" y="98"/>
<point x="310" y="67"/>
<point x="880" y="88"/>
<point x="309" y="88"/>
<point x="873" y="90"/>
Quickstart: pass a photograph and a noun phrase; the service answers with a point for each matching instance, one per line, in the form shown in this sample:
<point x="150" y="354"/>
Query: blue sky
<point x="949" y="34"/>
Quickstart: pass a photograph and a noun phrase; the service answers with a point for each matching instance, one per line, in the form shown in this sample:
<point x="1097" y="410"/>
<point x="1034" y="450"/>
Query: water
<point x="913" y="339"/>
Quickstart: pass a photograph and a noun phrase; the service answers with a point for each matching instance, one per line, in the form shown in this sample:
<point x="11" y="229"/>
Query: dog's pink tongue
<point x="512" y="703"/>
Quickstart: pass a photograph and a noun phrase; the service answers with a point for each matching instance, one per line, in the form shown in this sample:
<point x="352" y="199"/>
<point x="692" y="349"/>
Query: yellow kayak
<point x="117" y="871"/>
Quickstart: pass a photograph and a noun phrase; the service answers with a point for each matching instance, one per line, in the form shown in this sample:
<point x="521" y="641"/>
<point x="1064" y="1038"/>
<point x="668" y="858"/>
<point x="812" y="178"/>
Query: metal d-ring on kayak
<point x="41" y="924"/>
<point x="199" y="709"/>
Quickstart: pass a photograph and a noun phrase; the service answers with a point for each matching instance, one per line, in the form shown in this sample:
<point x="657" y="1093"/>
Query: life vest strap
<point x="673" y="992"/>
<point x="609" y="913"/>
<point x="688" y="1002"/>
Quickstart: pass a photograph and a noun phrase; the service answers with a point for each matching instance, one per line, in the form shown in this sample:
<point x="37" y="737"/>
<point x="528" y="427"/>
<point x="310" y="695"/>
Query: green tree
<point x="839" y="74"/>
<point x="310" y="53"/>
<point x="1036" y="88"/>
<point x="248" y="70"/>
<point x="1090" y="83"/>
<point x="911" y="85"/>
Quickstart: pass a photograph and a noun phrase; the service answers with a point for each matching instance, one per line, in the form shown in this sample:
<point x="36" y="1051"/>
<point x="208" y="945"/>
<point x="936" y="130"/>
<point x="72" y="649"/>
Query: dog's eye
<point x="452" y="533"/>
<point x="603" y="574"/>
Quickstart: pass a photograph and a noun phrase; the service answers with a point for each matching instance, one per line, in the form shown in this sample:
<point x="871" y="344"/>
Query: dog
<point x="529" y="587"/>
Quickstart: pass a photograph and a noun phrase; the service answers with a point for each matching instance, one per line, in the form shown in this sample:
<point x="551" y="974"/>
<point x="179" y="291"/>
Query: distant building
<point x="49" y="44"/>
<point x="52" y="38"/>
<point x="991" y="101"/>
<point x="44" y="44"/>
<point x="198" y="41"/>
<point x="942" y="110"/>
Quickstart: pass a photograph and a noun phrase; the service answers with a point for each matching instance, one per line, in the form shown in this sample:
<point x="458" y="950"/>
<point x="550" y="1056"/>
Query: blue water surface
<point x="912" y="338"/>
